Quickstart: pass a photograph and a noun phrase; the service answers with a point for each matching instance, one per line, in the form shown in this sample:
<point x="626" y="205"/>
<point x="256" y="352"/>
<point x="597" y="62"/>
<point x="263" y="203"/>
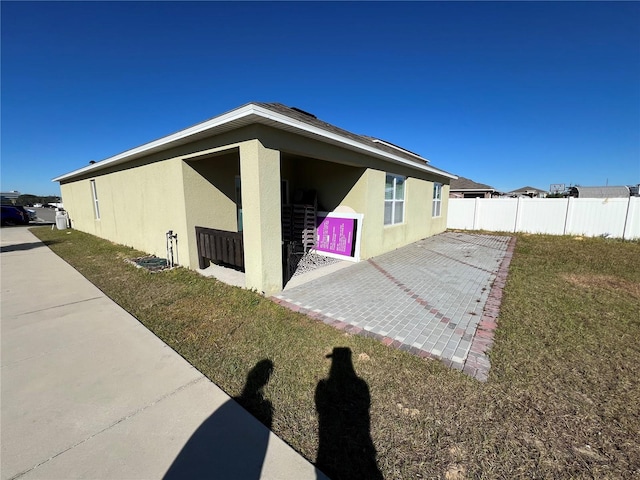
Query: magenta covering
<point x="336" y="235"/>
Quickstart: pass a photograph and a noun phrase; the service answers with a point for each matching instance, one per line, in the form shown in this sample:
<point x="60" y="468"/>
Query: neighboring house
<point x="234" y="189"/>
<point x="599" y="192"/>
<point x="462" y="187"/>
<point x="9" y="197"/>
<point x="528" y="192"/>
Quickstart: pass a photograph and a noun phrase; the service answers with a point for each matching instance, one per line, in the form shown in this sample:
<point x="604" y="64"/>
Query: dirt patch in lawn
<point x="604" y="282"/>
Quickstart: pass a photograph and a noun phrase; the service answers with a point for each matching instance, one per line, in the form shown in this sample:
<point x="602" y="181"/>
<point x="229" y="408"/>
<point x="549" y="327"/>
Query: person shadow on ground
<point x="228" y="444"/>
<point x="345" y="449"/>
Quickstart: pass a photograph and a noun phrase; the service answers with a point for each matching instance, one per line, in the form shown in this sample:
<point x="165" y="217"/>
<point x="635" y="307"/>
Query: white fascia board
<point x="250" y="109"/>
<point x="391" y="145"/>
<point x="147" y="147"/>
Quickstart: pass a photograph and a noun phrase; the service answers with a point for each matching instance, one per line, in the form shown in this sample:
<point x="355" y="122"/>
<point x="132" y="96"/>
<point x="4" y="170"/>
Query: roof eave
<point x="243" y="113"/>
<point x="162" y="143"/>
<point x="472" y="189"/>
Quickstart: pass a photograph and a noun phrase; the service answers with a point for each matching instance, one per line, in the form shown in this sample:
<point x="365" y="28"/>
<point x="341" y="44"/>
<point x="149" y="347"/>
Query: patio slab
<point x="438" y="297"/>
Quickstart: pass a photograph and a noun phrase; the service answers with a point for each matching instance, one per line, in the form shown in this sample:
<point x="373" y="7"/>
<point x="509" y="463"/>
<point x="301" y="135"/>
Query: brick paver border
<point x="476" y="364"/>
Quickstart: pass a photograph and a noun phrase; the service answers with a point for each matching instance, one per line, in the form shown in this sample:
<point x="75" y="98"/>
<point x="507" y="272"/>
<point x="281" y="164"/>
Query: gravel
<point x="310" y="261"/>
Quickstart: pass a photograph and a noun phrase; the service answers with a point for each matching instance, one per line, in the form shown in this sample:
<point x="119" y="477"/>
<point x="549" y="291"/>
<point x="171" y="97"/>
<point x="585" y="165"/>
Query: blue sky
<point x="508" y="93"/>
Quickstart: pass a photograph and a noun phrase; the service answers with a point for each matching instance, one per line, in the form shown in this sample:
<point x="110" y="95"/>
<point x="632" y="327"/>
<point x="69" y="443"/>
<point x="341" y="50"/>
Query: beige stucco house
<point x="229" y="189"/>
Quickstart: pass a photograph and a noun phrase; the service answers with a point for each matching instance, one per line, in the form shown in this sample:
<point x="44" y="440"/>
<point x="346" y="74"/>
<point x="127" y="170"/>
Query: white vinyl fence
<point x="610" y="217"/>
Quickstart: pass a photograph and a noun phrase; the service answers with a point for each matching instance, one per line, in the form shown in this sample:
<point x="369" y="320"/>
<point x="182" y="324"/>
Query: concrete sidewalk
<point x="89" y="392"/>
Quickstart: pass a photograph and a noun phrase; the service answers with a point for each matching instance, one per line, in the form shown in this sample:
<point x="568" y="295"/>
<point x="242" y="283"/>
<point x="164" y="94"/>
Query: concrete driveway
<point x="436" y="298"/>
<point x="88" y="392"/>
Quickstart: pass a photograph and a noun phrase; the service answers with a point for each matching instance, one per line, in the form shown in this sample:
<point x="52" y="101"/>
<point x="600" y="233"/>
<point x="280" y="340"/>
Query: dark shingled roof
<point x="463" y="183"/>
<point x="311" y="119"/>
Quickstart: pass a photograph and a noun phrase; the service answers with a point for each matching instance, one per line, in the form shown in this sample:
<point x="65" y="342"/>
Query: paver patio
<point x="438" y="297"/>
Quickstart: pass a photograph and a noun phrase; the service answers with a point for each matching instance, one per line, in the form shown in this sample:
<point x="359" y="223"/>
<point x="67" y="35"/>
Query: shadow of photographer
<point x="228" y="444"/>
<point x="345" y="449"/>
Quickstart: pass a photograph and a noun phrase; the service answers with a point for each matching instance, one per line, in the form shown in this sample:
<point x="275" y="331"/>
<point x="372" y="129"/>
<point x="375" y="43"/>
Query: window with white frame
<point x="437" y="199"/>
<point x="394" y="199"/>
<point x="94" y="194"/>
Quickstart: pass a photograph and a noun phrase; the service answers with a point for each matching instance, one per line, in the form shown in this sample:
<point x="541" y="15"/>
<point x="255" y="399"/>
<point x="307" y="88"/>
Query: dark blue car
<point x="13" y="215"/>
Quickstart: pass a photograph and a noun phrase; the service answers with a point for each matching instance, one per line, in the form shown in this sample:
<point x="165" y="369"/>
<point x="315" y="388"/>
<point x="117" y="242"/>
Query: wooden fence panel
<point x="219" y="246"/>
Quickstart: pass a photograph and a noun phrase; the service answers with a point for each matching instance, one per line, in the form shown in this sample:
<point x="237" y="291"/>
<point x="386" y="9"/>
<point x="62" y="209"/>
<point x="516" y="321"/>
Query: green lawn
<point x="563" y="395"/>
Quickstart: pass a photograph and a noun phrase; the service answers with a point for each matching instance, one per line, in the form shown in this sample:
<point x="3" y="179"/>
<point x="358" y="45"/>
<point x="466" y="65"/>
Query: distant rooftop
<point x="600" y="192"/>
<point x="462" y="183"/>
<point x="12" y="195"/>
<point x="528" y="190"/>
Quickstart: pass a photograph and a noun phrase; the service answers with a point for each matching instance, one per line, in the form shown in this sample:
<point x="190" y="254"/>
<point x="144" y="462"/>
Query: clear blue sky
<point x="509" y="94"/>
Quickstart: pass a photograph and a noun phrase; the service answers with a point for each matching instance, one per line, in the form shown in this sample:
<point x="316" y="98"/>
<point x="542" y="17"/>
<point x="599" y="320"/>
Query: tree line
<point x="30" y="200"/>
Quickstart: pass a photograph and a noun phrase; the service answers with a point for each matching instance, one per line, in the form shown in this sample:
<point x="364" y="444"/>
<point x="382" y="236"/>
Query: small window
<point x="437" y="199"/>
<point x="394" y="199"/>
<point x="94" y="194"/>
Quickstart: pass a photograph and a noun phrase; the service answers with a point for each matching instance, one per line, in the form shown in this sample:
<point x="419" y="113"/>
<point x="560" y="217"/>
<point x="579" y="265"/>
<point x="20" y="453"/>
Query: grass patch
<point x="563" y="396"/>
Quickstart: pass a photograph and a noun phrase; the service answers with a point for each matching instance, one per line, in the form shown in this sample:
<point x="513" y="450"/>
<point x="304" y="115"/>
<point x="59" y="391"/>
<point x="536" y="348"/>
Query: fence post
<point x="517" y="220"/>
<point x="626" y="219"/>
<point x="566" y="215"/>
<point x="476" y="213"/>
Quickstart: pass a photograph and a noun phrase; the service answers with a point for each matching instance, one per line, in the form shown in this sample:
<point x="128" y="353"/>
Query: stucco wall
<point x="194" y="185"/>
<point x="378" y="238"/>
<point x="210" y="196"/>
<point x="332" y="182"/>
<point x="362" y="190"/>
<point x="137" y="207"/>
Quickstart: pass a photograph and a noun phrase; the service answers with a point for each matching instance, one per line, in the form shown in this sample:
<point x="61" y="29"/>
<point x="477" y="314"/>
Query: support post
<point x="260" y="184"/>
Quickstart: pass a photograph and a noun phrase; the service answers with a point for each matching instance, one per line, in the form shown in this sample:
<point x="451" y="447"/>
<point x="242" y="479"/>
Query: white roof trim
<point x="471" y="189"/>
<point x="237" y="114"/>
<point x="391" y="145"/>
